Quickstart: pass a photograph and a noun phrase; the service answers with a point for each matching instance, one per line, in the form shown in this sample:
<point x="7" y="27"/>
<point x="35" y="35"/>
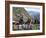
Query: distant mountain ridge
<point x="34" y="13"/>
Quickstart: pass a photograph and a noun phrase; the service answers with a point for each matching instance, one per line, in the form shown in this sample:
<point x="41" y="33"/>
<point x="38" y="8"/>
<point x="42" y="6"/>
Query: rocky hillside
<point x="19" y="12"/>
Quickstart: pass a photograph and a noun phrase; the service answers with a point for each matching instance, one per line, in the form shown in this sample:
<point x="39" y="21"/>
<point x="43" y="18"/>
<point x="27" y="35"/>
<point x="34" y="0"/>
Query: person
<point x="29" y="23"/>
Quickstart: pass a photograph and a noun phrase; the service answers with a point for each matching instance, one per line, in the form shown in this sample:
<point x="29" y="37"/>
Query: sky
<point x="32" y="9"/>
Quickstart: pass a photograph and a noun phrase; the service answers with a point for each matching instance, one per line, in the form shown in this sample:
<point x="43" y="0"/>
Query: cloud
<point x="32" y="9"/>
